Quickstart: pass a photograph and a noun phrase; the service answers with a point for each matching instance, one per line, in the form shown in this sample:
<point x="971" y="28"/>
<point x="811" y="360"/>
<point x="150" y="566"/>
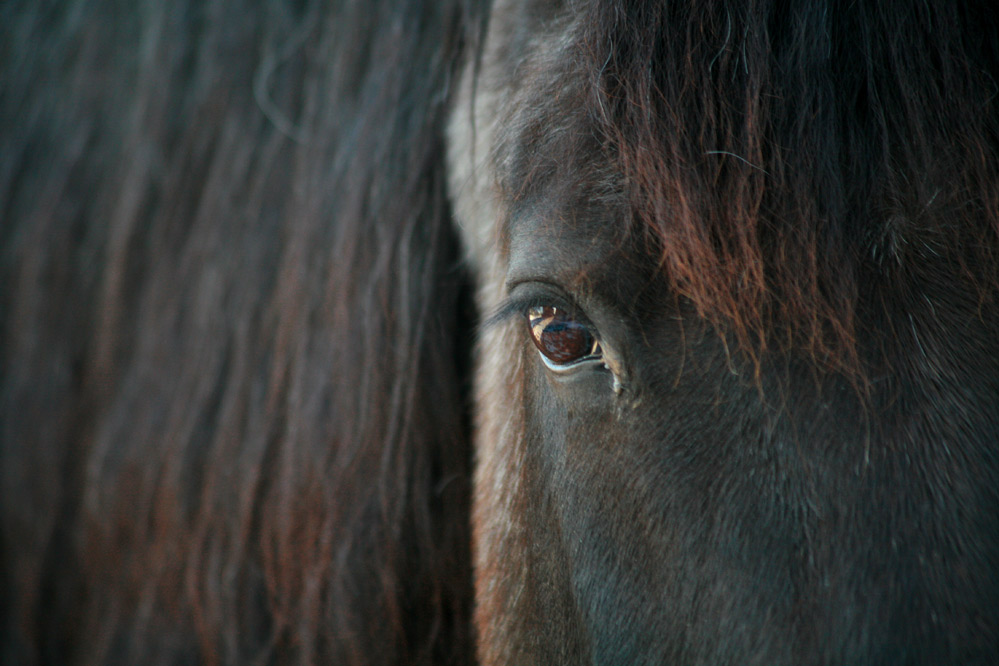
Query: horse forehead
<point x="560" y="248"/>
<point x="494" y="108"/>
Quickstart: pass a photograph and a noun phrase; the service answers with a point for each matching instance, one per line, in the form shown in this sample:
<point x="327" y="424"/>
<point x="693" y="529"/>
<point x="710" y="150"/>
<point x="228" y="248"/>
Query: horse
<point x="499" y="332"/>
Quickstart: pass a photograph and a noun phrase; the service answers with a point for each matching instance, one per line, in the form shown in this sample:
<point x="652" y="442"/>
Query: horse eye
<point x="561" y="339"/>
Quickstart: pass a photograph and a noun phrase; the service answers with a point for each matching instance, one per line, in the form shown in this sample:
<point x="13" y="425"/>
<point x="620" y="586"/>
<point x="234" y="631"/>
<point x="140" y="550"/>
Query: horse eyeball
<point x="560" y="338"/>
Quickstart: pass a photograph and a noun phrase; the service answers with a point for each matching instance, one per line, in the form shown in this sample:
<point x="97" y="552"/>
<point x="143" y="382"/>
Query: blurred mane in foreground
<point x="232" y="412"/>
<point x="511" y="332"/>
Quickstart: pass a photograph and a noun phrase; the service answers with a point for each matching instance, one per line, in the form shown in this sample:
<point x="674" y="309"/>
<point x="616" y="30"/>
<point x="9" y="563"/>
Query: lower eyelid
<point x="570" y="367"/>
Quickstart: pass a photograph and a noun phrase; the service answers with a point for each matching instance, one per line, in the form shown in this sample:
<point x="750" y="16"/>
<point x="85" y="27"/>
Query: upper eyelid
<point x="547" y="294"/>
<point x="515" y="307"/>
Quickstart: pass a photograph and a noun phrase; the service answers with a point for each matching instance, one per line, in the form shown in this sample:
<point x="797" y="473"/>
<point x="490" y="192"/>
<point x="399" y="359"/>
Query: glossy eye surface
<point x="561" y="339"/>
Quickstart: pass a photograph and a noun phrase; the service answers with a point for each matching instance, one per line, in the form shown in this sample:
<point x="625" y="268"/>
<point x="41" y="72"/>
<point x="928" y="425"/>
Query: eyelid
<point x="526" y="294"/>
<point x="567" y="368"/>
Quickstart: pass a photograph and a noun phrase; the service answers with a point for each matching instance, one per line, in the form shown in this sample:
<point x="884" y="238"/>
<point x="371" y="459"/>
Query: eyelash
<point x="535" y="295"/>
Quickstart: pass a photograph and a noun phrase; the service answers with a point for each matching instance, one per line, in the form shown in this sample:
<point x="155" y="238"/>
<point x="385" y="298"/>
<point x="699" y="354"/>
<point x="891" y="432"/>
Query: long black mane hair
<point x="234" y="329"/>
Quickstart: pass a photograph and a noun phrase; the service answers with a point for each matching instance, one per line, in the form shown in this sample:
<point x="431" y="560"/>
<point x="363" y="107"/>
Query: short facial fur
<point x="728" y="487"/>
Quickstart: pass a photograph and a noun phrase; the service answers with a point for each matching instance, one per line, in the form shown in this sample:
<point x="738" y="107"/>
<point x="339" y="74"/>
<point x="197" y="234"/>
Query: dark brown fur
<point x="817" y="183"/>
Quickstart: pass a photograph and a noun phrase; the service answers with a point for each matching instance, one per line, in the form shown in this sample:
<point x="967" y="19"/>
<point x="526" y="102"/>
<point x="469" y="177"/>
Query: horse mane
<point x="235" y="332"/>
<point x="789" y="160"/>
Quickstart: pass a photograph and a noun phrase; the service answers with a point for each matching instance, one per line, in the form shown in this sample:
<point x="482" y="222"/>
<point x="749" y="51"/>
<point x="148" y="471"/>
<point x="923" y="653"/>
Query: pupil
<point x="559" y="337"/>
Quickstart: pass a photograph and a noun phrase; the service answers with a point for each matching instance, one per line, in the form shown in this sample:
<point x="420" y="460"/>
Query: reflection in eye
<point x="561" y="339"/>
